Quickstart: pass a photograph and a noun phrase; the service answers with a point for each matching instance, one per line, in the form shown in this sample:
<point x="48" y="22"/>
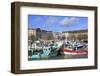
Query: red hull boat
<point x="75" y="52"/>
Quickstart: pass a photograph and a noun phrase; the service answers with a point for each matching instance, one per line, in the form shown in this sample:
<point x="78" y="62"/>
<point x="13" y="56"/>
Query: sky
<point x="57" y="23"/>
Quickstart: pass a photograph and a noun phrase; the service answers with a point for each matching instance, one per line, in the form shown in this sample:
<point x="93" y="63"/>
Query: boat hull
<point x="75" y="52"/>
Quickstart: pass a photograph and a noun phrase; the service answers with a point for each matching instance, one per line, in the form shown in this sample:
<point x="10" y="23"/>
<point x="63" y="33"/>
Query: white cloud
<point x="69" y="21"/>
<point x="37" y="19"/>
<point x="83" y="27"/>
<point x="51" y="20"/>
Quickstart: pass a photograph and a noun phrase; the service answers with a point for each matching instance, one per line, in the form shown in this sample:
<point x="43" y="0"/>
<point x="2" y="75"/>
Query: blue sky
<point x="57" y="23"/>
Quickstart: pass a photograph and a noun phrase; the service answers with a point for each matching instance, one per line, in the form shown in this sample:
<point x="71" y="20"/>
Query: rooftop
<point x="76" y="31"/>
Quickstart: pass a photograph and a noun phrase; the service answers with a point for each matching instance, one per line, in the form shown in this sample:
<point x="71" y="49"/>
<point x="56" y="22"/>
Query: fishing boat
<point x="71" y="51"/>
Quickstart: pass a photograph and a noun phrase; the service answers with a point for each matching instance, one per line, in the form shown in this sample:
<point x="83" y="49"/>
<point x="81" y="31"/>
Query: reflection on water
<point x="61" y="57"/>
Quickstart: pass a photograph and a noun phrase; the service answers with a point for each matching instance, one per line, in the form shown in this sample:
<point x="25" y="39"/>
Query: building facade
<point x="36" y="34"/>
<point x="74" y="35"/>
